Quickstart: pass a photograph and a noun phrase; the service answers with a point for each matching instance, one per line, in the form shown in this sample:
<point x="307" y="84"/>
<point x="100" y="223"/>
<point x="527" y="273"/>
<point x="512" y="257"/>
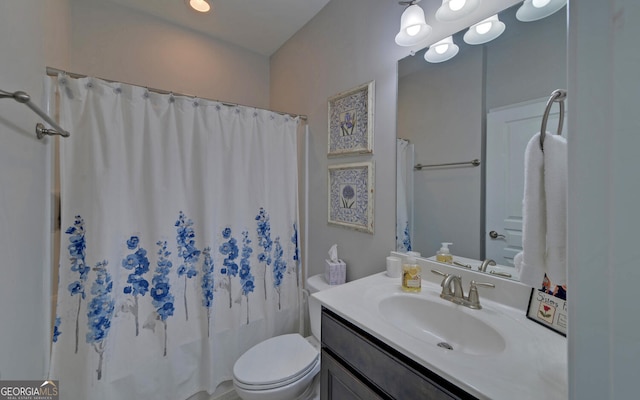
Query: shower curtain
<point x="404" y="195"/>
<point x="179" y="248"/>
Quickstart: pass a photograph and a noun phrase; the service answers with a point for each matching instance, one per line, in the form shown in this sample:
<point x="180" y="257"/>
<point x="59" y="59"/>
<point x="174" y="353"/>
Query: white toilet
<point x="283" y="367"/>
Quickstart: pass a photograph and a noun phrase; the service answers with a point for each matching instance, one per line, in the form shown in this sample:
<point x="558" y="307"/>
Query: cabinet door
<point x="383" y="369"/>
<point x="337" y="383"/>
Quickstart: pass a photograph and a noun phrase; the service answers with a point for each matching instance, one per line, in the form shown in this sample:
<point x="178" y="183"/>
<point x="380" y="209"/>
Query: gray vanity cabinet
<point x="339" y="383"/>
<point x="356" y="365"/>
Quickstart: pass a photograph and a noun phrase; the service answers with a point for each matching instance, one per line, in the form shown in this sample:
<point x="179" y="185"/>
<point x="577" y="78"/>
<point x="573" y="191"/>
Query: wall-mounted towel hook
<point x="558" y="95"/>
<point x="24" y="98"/>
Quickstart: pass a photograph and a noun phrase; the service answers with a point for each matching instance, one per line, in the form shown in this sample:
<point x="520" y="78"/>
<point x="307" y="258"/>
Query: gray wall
<point x="442" y="108"/>
<point x="33" y="33"/>
<point x="114" y="42"/>
<point x="604" y="194"/>
<point x="528" y="61"/>
<point x="440" y="111"/>
<point x="348" y="43"/>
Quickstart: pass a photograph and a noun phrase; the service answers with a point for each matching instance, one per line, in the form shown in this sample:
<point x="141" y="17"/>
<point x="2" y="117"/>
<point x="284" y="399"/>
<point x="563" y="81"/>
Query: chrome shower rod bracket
<point x="41" y="131"/>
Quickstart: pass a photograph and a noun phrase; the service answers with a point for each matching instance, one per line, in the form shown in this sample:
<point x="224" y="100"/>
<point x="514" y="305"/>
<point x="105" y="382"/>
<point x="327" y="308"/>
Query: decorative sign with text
<point x="548" y="310"/>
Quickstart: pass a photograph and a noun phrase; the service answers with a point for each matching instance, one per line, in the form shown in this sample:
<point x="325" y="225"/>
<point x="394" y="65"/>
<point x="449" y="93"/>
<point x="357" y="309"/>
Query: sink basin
<point x="449" y="326"/>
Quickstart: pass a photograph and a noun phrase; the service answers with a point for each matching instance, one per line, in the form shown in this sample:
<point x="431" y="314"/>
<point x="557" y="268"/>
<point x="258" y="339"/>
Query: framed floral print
<point x="351" y="121"/>
<point x="351" y="195"/>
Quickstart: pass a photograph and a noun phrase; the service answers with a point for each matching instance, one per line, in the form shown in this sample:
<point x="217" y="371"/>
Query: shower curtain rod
<point x="55" y="71"/>
<point x="41" y="131"/>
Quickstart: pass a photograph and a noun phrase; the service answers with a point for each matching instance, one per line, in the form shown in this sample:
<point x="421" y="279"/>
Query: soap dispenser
<point x="411" y="273"/>
<point x="444" y="255"/>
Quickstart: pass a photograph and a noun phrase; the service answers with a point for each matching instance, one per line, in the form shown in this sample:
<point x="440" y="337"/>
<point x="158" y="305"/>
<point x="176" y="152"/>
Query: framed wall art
<point x="351" y="121"/>
<point x="351" y="195"/>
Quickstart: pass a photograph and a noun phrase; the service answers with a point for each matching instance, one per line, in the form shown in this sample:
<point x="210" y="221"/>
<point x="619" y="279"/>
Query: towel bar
<point x="558" y="96"/>
<point x="475" y="163"/>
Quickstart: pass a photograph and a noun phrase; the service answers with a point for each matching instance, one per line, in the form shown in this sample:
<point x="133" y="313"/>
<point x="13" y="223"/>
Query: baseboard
<point x="224" y="391"/>
<point x="228" y="395"/>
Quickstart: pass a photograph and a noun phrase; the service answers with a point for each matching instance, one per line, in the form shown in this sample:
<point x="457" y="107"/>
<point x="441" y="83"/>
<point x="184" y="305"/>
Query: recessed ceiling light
<point x="202" y="6"/>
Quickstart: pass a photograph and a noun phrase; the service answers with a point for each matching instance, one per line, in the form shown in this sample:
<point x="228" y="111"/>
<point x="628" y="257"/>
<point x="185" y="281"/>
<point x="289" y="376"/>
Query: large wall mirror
<point x="445" y="112"/>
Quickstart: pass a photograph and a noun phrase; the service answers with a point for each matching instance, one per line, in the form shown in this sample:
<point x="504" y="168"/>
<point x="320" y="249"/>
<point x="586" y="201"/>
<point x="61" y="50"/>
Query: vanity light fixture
<point x="533" y="10"/>
<point x="413" y="27"/>
<point x="442" y="51"/>
<point x="451" y="10"/>
<point x="202" y="6"/>
<point x="484" y="31"/>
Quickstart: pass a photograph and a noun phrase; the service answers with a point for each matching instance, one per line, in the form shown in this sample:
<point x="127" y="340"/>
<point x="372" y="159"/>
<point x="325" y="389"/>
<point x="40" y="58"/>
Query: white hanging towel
<point x="544" y="230"/>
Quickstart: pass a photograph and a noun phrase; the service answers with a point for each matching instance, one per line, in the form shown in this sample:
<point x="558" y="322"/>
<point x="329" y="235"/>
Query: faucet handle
<point x="446" y="290"/>
<point x="435" y="271"/>
<point x="474" y="298"/>
<point x="442" y="274"/>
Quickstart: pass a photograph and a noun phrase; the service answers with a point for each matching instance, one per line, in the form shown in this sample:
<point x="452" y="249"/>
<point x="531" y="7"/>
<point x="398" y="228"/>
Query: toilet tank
<point x="315" y="284"/>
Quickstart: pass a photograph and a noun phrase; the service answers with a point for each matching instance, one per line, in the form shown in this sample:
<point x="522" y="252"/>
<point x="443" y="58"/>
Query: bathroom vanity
<point x="381" y="343"/>
<point x="356" y="365"/>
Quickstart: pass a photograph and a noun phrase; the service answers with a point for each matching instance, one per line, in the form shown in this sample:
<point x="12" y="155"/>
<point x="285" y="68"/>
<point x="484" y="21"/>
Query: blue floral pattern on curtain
<point x="229" y="249"/>
<point x="189" y="253"/>
<point x="137" y="284"/>
<point x="77" y="249"/>
<point x="246" y="278"/>
<point x="100" y="312"/>
<point x="170" y="172"/>
<point x="161" y="292"/>
<point x="208" y="281"/>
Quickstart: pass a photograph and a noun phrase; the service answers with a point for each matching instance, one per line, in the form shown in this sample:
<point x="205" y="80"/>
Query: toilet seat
<point x="276" y="362"/>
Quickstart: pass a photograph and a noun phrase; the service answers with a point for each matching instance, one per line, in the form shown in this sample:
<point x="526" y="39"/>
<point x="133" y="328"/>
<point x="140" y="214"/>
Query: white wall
<point x="117" y="43"/>
<point x="604" y="194"/>
<point x="348" y="43"/>
<point x="32" y="34"/>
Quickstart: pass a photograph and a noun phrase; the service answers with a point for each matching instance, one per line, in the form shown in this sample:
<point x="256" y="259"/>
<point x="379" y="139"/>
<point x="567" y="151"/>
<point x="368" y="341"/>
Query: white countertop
<point x="533" y="364"/>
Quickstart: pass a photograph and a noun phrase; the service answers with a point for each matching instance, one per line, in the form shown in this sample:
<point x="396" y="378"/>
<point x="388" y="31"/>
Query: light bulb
<point x="413" y="30"/>
<point x="200" y="5"/>
<point x="441" y="48"/>
<point x="483" y="28"/>
<point x="456" y="5"/>
<point x="540" y="3"/>
<point x="441" y="51"/>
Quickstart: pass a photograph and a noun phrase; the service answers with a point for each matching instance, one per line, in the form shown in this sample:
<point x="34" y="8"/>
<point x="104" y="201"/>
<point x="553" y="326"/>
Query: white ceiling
<point x="261" y="26"/>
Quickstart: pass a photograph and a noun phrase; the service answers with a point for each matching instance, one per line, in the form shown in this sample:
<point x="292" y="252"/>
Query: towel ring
<point x="557" y="95"/>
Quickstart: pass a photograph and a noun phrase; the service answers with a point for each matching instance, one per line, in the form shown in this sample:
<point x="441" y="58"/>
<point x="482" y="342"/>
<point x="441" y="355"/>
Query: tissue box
<point x="335" y="272"/>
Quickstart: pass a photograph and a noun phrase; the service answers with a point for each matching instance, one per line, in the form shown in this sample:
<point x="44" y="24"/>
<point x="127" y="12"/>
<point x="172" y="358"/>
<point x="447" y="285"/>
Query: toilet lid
<point x="275" y="361"/>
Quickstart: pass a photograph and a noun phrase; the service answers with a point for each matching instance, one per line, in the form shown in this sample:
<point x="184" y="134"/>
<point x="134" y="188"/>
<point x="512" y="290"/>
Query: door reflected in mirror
<point x="444" y="113"/>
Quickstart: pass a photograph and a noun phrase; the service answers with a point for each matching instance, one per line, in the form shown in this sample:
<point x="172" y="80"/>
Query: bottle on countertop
<point x="411" y="273"/>
<point x="444" y="255"/>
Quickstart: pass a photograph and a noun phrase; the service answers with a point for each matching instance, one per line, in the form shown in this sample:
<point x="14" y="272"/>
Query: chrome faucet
<point x="452" y="290"/>
<point x="473" y="301"/>
<point x="485" y="263"/>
